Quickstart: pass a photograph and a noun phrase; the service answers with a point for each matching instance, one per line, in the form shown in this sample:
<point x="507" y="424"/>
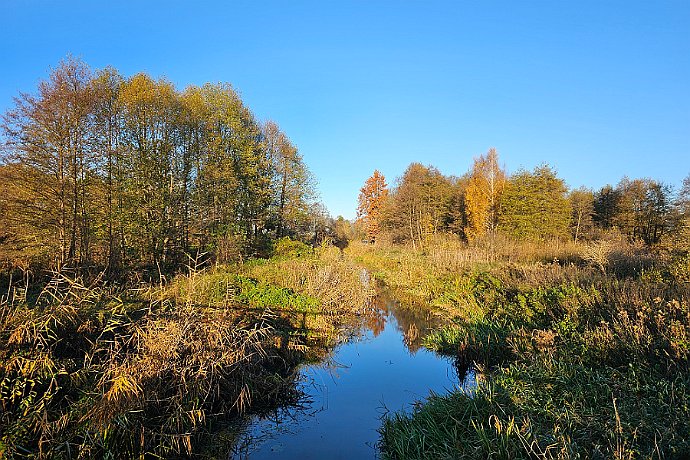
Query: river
<point x="381" y="368"/>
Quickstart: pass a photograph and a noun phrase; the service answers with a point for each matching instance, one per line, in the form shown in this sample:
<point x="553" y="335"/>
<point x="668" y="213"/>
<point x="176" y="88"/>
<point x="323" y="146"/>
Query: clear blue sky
<point x="598" y="89"/>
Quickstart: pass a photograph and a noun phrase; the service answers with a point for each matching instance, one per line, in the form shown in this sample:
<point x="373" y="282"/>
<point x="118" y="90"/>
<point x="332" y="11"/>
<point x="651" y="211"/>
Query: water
<point x="382" y="369"/>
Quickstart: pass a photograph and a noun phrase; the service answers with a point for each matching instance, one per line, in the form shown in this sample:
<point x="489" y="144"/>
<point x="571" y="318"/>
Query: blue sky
<point x="597" y="89"/>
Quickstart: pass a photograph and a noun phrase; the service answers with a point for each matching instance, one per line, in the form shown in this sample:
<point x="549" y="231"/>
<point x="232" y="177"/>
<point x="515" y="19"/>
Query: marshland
<point x="173" y="284"/>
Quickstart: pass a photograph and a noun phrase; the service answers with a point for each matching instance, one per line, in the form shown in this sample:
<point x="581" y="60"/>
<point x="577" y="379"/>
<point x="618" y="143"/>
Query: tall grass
<point x="90" y="370"/>
<point x="582" y="356"/>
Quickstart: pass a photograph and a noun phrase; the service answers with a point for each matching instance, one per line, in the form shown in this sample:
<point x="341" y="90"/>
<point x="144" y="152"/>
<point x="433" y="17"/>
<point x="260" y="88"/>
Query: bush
<point x="287" y="248"/>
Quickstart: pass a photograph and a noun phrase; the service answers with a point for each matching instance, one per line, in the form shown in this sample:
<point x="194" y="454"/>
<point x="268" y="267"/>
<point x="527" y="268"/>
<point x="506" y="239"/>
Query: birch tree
<point x="483" y="196"/>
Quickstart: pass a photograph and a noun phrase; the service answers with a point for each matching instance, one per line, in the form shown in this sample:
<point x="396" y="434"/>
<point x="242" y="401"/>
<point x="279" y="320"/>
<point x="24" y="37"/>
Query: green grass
<point x="575" y="362"/>
<point x="549" y="409"/>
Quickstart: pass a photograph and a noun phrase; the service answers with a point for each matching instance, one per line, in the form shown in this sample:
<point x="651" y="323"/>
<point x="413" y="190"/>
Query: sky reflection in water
<point x="384" y="369"/>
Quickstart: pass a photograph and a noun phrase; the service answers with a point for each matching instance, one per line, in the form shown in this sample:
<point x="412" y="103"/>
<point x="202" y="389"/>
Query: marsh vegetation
<point x="576" y="362"/>
<point x="167" y="276"/>
<point x="93" y="370"/>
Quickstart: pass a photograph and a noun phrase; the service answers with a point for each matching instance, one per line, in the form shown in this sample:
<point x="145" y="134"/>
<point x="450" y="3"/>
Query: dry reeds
<point x="91" y="370"/>
<point x="584" y="349"/>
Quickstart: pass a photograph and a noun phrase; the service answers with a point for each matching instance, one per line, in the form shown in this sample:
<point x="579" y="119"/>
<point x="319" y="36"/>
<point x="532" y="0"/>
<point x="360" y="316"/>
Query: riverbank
<point x="580" y="357"/>
<point x="101" y="371"/>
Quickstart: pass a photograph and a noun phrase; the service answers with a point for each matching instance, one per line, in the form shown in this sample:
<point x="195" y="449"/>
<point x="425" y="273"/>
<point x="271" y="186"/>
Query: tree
<point x="110" y="167"/>
<point x="99" y="169"/>
<point x="682" y="229"/>
<point x="535" y="206"/>
<point x="657" y="216"/>
<point x="582" y="205"/>
<point x="292" y="182"/>
<point x="683" y="201"/>
<point x="150" y="142"/>
<point x="49" y="139"/>
<point x="483" y="195"/>
<point x="343" y="232"/>
<point x="606" y="206"/>
<point x="644" y="210"/>
<point x="372" y="197"/>
<point x="420" y="205"/>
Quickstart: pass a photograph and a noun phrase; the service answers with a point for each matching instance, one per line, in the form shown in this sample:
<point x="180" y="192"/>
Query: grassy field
<point x="582" y="350"/>
<point x="94" y="370"/>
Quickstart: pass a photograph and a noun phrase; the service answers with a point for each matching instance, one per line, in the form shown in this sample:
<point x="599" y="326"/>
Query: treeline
<point x="97" y="169"/>
<point x="527" y="205"/>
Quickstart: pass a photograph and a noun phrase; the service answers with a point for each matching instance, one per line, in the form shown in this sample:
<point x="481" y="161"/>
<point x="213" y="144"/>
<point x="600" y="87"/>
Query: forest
<point x="487" y="203"/>
<point x="167" y="270"/>
<point x="100" y="171"/>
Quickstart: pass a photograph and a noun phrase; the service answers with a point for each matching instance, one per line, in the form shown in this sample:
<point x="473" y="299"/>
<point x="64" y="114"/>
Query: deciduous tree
<point x="372" y="197"/>
<point x="292" y="182"/>
<point x="582" y="205"/>
<point x="102" y="169"/>
<point x="420" y="205"/>
<point x="485" y="186"/>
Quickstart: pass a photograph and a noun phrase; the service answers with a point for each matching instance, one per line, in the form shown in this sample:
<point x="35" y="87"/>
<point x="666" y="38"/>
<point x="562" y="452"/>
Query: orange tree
<point x="371" y="199"/>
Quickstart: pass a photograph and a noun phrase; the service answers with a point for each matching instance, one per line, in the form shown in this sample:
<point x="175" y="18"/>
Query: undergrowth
<point x="92" y="370"/>
<point x="577" y="359"/>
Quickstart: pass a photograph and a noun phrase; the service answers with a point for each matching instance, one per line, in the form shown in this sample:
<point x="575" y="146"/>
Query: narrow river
<point x="383" y="368"/>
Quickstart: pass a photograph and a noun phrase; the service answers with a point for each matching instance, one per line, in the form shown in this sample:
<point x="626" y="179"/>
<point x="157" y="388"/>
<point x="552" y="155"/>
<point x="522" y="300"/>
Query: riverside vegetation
<point x="572" y="305"/>
<point x="114" y="341"/>
<point x="165" y="268"/>
<point x="575" y="361"/>
<point x="93" y="370"/>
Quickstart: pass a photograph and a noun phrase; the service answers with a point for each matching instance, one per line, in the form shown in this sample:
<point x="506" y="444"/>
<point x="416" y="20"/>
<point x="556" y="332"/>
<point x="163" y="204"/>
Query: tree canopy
<point x="101" y="169"/>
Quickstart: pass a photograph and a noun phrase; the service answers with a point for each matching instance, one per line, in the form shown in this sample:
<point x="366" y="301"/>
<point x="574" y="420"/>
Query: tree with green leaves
<point x="420" y="205"/>
<point x="292" y="182"/>
<point x="535" y="205"/>
<point x="644" y="209"/>
<point x="606" y="205"/>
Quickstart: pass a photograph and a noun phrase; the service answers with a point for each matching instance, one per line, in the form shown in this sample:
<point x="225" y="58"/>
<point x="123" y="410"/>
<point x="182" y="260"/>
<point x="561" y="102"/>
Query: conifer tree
<point x="372" y="197"/>
<point x="535" y="206"/>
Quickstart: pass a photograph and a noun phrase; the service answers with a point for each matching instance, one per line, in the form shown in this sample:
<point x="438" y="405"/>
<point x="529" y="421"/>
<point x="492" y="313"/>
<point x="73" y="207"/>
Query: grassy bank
<point x="90" y="370"/>
<point x="582" y="355"/>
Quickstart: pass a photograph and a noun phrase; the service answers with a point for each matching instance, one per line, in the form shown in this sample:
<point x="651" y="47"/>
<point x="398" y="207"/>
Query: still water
<point x="382" y="368"/>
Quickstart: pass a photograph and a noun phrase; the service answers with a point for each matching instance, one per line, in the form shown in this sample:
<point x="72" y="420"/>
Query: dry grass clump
<point x="170" y="371"/>
<point x="85" y="374"/>
<point x="341" y="286"/>
<point x="92" y="372"/>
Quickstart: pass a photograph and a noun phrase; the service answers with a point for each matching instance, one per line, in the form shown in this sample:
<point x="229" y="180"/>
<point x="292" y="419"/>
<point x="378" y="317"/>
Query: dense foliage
<point x="536" y="205"/>
<point x="99" y="169"/>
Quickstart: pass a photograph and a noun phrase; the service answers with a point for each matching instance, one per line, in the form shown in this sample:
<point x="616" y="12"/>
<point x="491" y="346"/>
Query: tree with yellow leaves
<point x="483" y="194"/>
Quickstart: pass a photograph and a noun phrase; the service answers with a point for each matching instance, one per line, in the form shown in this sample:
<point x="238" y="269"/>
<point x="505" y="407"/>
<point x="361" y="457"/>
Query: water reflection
<point x="381" y="367"/>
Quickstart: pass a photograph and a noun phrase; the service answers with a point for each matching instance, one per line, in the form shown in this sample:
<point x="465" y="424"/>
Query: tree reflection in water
<point x="370" y="366"/>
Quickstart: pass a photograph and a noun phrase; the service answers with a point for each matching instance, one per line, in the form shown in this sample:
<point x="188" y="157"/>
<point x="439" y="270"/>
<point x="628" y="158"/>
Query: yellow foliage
<point x="483" y="194"/>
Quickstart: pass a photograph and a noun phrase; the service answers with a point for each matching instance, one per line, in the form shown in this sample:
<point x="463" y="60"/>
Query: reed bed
<point x="583" y="353"/>
<point x="90" y="370"/>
